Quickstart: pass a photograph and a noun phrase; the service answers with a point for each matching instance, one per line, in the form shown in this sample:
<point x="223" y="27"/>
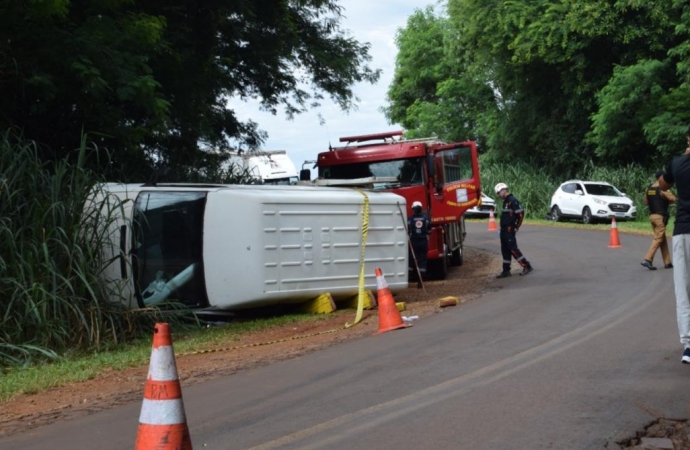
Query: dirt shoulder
<point x="113" y="388"/>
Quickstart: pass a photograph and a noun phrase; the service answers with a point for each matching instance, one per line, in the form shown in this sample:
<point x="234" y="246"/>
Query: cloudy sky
<point x="373" y="21"/>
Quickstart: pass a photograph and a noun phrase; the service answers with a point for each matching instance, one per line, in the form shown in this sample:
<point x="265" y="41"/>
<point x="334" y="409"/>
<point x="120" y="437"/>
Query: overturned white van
<point x="233" y="247"/>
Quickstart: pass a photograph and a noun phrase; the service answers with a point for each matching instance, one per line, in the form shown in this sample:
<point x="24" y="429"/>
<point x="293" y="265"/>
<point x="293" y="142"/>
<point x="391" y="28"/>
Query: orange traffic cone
<point x="389" y="316"/>
<point x="614" y="242"/>
<point x="492" y="221"/>
<point x="162" y="422"/>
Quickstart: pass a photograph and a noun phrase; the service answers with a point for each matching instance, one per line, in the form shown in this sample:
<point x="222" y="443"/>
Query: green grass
<point x="632" y="227"/>
<point x="81" y="367"/>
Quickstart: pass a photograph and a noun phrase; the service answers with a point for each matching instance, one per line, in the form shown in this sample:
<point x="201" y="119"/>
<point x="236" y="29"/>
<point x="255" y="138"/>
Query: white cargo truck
<point x="241" y="246"/>
<point x="265" y="166"/>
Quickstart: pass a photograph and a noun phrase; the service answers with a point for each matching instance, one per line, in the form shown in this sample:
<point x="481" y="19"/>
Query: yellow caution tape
<point x="365" y="232"/>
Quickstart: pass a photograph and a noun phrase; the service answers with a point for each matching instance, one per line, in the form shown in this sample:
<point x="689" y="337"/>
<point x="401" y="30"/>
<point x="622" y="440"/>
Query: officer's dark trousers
<point x="509" y="249"/>
<point x="421" y="247"/>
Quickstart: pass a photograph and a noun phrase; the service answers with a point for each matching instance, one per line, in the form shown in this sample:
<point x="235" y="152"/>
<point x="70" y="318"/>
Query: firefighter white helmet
<point x="416" y="205"/>
<point x="500" y="186"/>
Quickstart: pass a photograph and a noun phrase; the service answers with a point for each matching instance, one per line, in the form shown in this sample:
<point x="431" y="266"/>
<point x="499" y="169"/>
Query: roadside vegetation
<point x="82" y="366"/>
<point x="54" y="246"/>
<point x="553" y="85"/>
<point x="534" y="185"/>
<point x="53" y="299"/>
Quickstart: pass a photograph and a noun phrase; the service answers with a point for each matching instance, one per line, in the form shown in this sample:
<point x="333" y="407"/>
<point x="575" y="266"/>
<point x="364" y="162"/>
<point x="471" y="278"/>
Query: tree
<point x="420" y="65"/>
<point x="545" y="81"/>
<point x="149" y="80"/>
<point x="429" y="95"/>
<point x="644" y="108"/>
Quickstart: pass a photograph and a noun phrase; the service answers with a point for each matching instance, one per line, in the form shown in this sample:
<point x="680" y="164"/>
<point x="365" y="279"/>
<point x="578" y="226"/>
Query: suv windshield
<point x="602" y="189"/>
<point x="405" y="171"/>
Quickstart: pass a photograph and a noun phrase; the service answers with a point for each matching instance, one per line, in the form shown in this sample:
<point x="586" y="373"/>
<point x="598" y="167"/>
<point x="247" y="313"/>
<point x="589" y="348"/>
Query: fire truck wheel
<point x="439" y="268"/>
<point x="456" y="257"/>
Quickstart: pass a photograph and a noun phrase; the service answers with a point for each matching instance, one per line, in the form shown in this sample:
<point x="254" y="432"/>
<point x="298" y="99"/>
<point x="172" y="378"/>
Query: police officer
<point x="658" y="202"/>
<point x="511" y="219"/>
<point x="418" y="228"/>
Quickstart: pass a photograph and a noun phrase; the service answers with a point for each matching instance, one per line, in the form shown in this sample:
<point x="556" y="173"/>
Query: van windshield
<point x="168" y="244"/>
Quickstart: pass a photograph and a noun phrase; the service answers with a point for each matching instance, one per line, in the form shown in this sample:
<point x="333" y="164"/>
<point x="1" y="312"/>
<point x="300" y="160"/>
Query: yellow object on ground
<point x="401" y="306"/>
<point x="369" y="301"/>
<point x="448" y="301"/>
<point x="323" y="304"/>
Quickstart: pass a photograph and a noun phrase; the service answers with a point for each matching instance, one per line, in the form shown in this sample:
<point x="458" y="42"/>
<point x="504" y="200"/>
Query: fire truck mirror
<point x="305" y="175"/>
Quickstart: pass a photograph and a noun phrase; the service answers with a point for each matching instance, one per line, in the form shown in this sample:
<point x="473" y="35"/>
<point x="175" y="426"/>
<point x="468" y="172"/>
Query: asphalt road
<point x="580" y="354"/>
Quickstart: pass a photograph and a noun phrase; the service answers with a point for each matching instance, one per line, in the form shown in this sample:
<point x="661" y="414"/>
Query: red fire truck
<point x="443" y="176"/>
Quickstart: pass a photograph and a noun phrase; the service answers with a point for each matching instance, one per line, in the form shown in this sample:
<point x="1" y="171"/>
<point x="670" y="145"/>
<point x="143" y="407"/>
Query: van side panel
<point x="268" y="244"/>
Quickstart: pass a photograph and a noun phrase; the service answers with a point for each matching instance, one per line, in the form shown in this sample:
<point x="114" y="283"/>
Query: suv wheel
<point x="556" y="214"/>
<point x="587" y="215"/>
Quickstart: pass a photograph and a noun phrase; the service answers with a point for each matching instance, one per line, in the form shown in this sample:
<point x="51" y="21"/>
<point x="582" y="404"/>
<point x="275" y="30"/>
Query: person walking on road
<point x="418" y="228"/>
<point x="511" y="220"/>
<point x="678" y="174"/>
<point x="658" y="202"/>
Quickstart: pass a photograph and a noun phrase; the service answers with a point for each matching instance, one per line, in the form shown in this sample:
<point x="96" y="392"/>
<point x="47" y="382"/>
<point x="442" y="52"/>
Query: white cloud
<point x="373" y="21"/>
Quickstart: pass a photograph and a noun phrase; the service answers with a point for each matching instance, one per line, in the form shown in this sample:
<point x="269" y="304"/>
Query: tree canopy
<point x="149" y="80"/>
<point x="556" y="83"/>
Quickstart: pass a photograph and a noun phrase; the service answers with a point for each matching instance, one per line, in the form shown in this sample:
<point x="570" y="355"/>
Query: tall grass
<point x="53" y="298"/>
<point x="534" y="185"/>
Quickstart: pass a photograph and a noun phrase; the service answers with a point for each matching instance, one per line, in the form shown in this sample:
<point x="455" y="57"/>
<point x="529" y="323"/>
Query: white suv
<point x="590" y="201"/>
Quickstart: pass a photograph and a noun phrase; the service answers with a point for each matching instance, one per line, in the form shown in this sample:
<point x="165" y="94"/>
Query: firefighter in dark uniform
<point x="511" y="219"/>
<point x="658" y="202"/>
<point x="418" y="228"/>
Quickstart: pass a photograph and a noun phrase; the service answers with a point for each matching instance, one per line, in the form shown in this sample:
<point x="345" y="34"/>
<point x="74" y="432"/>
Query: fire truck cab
<point x="443" y="176"/>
